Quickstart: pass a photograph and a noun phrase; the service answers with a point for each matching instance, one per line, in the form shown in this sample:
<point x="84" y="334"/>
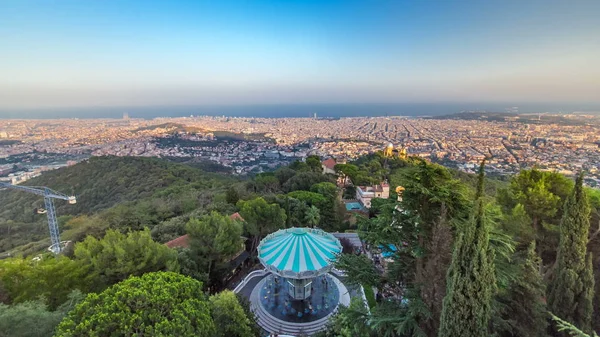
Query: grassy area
<point x="370" y="295"/>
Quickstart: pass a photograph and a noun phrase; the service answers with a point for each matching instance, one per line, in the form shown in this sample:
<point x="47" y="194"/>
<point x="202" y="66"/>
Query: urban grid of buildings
<point x="260" y="144"/>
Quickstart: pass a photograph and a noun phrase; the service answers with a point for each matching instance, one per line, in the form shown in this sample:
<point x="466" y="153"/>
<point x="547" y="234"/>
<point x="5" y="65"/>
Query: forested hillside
<point x="157" y="187"/>
<point x="473" y="256"/>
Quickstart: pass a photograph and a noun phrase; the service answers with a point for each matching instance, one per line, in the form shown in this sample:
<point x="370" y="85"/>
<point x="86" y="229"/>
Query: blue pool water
<point x="353" y="206"/>
<point x="389" y="252"/>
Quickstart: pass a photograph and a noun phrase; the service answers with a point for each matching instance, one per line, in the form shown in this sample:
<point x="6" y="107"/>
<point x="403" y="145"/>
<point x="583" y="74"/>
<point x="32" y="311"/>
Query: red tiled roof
<point x="329" y="163"/>
<point x="183" y="242"/>
<point x="236" y="216"/>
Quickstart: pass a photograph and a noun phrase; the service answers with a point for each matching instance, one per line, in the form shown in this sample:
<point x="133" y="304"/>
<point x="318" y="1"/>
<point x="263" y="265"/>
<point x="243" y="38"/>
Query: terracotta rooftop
<point x="236" y="216"/>
<point x="329" y="163"/>
<point x="183" y="241"/>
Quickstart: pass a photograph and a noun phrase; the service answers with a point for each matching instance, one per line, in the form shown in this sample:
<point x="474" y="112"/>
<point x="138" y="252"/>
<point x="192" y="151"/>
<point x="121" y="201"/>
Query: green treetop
<point x="261" y="218"/>
<point x="349" y="321"/>
<point x="155" y="304"/>
<point x="213" y="238"/>
<point x="471" y="278"/>
<point x="118" y="256"/>
<point x="522" y="305"/>
<point x="312" y="216"/>
<point x="572" y="288"/>
<point x="314" y="164"/>
<point x="229" y="316"/>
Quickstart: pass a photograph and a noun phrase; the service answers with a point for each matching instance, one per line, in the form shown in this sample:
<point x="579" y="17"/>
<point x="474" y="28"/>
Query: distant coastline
<point x="295" y="110"/>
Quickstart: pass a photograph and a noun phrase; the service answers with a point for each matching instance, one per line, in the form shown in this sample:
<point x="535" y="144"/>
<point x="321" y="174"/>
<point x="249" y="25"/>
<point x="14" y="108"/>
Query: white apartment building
<point x="364" y="194"/>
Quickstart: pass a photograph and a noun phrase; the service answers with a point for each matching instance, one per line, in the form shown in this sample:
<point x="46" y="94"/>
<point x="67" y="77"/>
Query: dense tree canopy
<point x="325" y="205"/>
<point x="295" y="210"/>
<point x="304" y="181"/>
<point x="118" y="256"/>
<point x="284" y="174"/>
<point x="33" y="318"/>
<point x="232" y="196"/>
<point x="124" y="193"/>
<point x="312" y="217"/>
<point x="522" y="306"/>
<point x="48" y="277"/>
<point x="229" y="316"/>
<point x="349" y="321"/>
<point x="314" y="164"/>
<point x="420" y="231"/>
<point x="438" y="212"/>
<point x="360" y="270"/>
<point x="537" y="197"/>
<point x="28" y="319"/>
<point x="213" y="240"/>
<point x="261" y="218"/>
<point x="265" y="183"/>
<point x="155" y="304"/>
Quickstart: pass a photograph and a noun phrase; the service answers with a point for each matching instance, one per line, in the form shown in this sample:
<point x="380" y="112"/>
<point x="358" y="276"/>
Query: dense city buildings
<point x="257" y="144"/>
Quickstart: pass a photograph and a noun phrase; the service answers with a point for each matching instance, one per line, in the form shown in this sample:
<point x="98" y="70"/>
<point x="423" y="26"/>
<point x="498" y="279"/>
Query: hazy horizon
<point x="71" y="54"/>
<point x="294" y="110"/>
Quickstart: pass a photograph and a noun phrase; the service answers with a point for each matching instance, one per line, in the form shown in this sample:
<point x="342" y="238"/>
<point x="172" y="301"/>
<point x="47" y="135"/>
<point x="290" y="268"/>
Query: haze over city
<point x="90" y="54"/>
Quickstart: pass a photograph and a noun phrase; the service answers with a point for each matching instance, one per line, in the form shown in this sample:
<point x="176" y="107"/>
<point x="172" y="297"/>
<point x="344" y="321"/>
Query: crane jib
<point x="49" y="196"/>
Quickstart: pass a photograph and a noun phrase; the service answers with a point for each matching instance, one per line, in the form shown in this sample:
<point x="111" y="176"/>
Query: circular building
<point x="299" y="255"/>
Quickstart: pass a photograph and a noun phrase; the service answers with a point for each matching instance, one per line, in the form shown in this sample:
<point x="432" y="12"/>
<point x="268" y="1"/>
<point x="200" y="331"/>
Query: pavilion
<point x="295" y="293"/>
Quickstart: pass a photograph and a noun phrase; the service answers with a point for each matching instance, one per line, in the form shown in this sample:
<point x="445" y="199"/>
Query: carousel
<point x="299" y="288"/>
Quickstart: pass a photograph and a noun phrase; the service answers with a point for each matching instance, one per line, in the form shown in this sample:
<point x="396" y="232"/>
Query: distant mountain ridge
<point x="527" y="118"/>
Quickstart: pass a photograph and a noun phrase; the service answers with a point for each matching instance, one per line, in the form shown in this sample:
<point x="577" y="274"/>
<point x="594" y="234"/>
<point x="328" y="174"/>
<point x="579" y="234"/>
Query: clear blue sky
<point x="105" y="53"/>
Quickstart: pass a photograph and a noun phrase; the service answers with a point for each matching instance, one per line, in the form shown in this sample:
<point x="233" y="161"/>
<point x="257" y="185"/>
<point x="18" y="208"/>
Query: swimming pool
<point x="353" y="206"/>
<point x="389" y="252"/>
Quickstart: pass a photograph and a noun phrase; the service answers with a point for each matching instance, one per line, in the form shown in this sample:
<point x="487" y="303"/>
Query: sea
<point x="298" y="110"/>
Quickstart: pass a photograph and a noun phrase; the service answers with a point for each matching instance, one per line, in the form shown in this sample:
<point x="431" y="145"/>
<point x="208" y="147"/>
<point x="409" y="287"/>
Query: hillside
<point x="98" y="184"/>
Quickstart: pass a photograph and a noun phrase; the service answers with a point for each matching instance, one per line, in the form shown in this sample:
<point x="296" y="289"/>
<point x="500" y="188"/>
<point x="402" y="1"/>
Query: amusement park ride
<point x="50" y="211"/>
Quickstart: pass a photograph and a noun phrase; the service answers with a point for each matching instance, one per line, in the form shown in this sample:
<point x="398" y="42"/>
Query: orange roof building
<point x="328" y="165"/>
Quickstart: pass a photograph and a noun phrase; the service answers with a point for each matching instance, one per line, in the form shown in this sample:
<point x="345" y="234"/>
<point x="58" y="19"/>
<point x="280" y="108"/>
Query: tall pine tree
<point x="471" y="278"/>
<point x="572" y="288"/>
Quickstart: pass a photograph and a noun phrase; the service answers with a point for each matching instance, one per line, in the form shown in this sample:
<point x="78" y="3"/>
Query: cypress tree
<point x="572" y="288"/>
<point x="471" y="278"/>
<point x="586" y="309"/>
<point x="522" y="307"/>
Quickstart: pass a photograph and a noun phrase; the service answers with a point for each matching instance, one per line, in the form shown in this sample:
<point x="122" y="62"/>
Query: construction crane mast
<point x="49" y="196"/>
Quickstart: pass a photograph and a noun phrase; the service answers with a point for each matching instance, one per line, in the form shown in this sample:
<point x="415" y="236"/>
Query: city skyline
<point x="133" y="53"/>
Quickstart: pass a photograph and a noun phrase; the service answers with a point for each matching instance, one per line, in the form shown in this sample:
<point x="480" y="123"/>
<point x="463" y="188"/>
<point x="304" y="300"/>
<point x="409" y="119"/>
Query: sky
<point x="76" y="53"/>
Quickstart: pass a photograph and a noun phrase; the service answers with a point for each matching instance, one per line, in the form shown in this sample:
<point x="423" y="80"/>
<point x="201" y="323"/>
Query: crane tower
<point x="48" y="195"/>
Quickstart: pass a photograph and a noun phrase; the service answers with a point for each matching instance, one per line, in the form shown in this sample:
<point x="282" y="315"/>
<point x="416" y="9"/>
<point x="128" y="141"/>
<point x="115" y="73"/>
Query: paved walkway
<point x="246" y="289"/>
